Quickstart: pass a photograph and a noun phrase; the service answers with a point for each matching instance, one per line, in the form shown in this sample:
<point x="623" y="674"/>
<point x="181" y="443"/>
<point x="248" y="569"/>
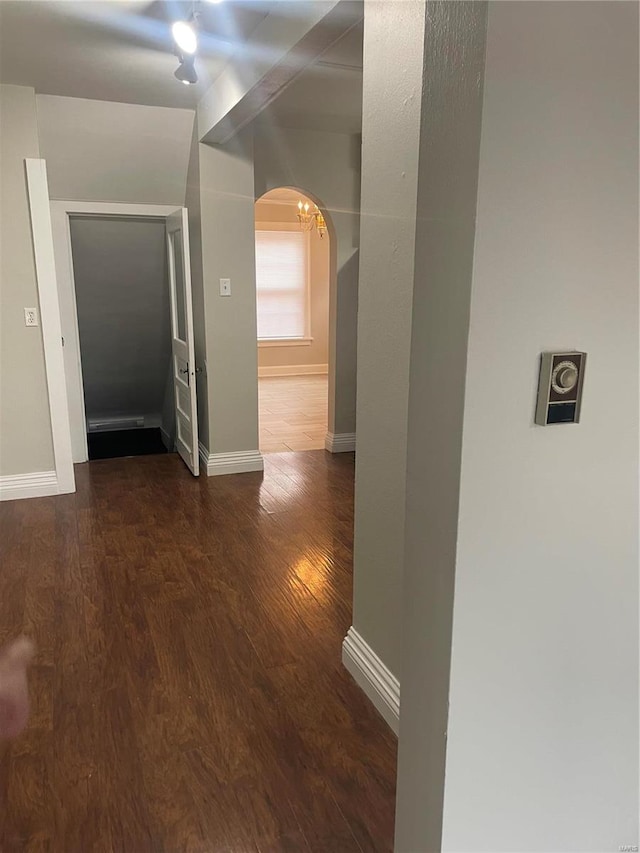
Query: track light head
<point x="186" y="71"/>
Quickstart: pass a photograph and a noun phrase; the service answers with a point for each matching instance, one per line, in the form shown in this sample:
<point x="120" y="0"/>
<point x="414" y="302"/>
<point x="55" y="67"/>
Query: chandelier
<point x="309" y="218"/>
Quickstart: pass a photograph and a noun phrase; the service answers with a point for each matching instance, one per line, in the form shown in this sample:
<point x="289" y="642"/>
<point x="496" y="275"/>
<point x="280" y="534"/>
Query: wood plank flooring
<point x="188" y="693"/>
<point x="293" y="412"/>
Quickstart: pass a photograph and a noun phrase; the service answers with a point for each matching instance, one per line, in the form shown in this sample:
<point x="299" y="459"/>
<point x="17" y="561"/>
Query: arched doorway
<point x="293" y="287"/>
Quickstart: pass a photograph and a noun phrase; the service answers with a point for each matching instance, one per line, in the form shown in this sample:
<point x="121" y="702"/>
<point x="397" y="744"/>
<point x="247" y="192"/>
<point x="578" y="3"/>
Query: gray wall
<point x="543" y="728"/>
<point x="390" y="128"/>
<point x="104" y="151"/>
<point x="25" y="427"/>
<point x="228" y="251"/>
<point x="99" y="151"/>
<point x="222" y="184"/>
<point x="325" y="166"/>
<point x="122" y="296"/>
<point x="445" y="230"/>
<point x="95" y="151"/>
<point x="519" y="712"/>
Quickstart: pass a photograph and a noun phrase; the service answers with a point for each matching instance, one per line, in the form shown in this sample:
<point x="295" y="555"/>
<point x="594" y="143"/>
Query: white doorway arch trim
<point x="61" y="213"/>
<point x="62" y="480"/>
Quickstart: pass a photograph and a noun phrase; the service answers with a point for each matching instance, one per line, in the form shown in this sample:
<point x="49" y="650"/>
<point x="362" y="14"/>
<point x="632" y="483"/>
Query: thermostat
<point x="560" y="387"/>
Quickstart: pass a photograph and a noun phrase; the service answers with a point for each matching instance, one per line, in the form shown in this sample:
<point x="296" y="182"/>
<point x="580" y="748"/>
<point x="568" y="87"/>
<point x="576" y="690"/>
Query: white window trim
<point x="285" y="342"/>
<point x="307" y="339"/>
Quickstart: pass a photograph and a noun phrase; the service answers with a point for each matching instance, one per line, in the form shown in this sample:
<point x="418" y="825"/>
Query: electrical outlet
<point x="30" y="317"/>
<point x="225" y="287"/>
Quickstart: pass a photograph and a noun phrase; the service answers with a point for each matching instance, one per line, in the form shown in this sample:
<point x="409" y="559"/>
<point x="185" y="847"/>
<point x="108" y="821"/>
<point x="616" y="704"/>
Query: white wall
<point x="122" y="298"/>
<point x="283" y="214"/>
<point x="25" y="426"/>
<point x="325" y="166"/>
<point x="543" y="729"/>
<point x="106" y="151"/>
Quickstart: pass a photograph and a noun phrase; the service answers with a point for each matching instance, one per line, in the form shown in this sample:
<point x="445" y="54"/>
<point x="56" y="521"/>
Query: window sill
<point x="285" y="342"/>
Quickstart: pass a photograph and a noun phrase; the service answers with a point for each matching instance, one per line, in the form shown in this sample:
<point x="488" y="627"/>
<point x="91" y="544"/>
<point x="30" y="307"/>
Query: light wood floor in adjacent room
<point x="293" y="413"/>
<point x="188" y="693"/>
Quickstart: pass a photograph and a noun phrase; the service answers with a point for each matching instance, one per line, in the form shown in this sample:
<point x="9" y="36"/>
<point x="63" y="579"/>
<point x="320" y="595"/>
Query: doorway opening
<point x="124" y="291"/>
<point x="293" y="260"/>
<point x="124" y="325"/>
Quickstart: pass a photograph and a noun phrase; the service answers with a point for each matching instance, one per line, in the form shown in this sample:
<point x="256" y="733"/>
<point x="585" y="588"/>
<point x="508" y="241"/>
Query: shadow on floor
<point x="125" y="442"/>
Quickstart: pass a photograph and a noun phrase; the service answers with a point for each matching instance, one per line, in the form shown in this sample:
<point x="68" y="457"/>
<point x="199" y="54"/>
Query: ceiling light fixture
<point x="304" y="217"/>
<point x="308" y="218"/>
<point x="184" y="35"/>
<point x="186" y="71"/>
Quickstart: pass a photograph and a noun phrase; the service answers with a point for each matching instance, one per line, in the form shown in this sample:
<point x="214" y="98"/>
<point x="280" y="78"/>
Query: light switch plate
<point x="225" y="287"/>
<point x="30" y="317"/>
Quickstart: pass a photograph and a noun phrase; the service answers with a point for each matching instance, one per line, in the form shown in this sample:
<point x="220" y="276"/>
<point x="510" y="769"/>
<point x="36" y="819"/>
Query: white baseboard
<point x="340" y="442"/>
<point x="237" y="462"/>
<point x="39" y="484"/>
<point x="378" y="682"/>
<point x="293" y="370"/>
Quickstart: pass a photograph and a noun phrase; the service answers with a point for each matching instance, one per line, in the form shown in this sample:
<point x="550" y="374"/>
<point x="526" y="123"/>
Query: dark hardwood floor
<point x="188" y="693"/>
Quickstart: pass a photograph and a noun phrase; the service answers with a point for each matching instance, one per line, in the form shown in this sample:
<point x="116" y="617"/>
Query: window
<point x="282" y="283"/>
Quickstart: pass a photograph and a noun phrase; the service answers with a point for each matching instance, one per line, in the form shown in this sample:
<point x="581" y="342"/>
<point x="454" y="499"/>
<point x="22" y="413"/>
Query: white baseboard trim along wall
<point x="236" y="462"/>
<point x="340" y="442"/>
<point x="378" y="682"/>
<point x="39" y="484"/>
<point x="293" y="370"/>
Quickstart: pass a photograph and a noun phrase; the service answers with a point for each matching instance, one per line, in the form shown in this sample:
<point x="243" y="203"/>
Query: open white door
<point x="182" y="346"/>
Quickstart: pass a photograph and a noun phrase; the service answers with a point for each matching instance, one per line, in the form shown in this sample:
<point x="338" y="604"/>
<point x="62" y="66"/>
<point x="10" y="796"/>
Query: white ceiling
<point x="122" y="50"/>
<point x="117" y="50"/>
